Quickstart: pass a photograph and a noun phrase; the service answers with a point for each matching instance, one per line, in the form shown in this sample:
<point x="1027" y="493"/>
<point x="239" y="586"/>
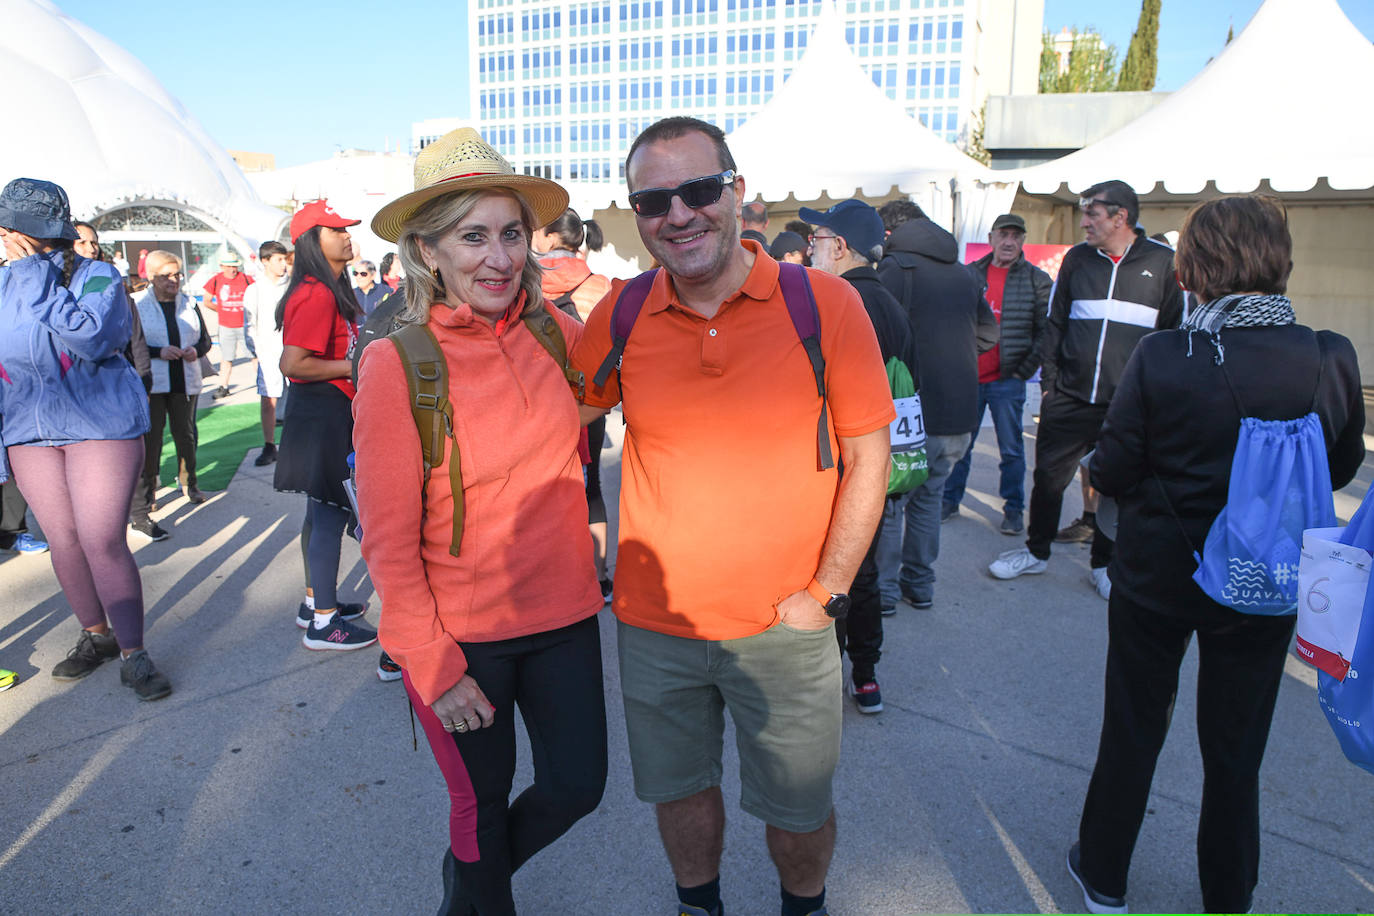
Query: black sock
<point x="1089" y="517"/>
<point x="792" y="905"/>
<point x="706" y="896"/>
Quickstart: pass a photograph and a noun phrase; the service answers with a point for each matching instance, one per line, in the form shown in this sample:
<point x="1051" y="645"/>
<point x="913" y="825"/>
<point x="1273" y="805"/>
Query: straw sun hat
<point x="462" y="161"/>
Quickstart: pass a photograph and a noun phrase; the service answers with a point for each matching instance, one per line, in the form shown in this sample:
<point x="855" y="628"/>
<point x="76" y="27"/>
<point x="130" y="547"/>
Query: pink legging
<point x="80" y="495"/>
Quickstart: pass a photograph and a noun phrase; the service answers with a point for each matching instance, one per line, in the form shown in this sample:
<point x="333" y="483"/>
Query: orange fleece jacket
<point x="525" y="562"/>
<point x="562" y="274"/>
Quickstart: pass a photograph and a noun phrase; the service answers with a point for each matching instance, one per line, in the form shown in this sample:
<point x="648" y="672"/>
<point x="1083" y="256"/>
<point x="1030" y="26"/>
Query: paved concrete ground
<point x="281" y="780"/>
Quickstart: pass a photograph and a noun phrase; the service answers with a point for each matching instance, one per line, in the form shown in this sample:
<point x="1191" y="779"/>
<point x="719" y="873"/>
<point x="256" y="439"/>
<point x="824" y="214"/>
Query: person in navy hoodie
<point x="72" y="417"/>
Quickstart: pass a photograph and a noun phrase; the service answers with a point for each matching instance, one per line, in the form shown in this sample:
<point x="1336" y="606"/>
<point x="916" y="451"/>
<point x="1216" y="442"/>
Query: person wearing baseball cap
<point x="498" y="608"/>
<point x="789" y="246"/>
<point x="224" y="296"/>
<point x="74" y="416"/>
<point x="1019" y="295"/>
<point x="318" y="317"/>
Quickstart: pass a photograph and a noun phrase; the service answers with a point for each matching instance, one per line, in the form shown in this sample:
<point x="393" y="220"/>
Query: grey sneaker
<point x="139" y="673"/>
<point x="1093" y="901"/>
<point x="1012" y="523"/>
<point x="1079" y="531"/>
<point x="91" y="650"/>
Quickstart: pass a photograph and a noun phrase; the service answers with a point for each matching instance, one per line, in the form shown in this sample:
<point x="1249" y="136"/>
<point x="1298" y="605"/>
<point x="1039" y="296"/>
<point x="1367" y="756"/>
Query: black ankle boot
<point x="454" y="903"/>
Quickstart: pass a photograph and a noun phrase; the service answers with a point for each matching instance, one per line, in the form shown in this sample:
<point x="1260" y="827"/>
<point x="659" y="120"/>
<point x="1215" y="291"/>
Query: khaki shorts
<point x="783" y="690"/>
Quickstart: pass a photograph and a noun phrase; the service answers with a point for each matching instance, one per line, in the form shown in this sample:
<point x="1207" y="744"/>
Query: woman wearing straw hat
<point x="318" y="318"/>
<point x="502" y="612"/>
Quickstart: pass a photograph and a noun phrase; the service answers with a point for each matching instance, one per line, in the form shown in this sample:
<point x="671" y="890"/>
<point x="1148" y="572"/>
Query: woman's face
<point x="336" y="245"/>
<point x="482" y="256"/>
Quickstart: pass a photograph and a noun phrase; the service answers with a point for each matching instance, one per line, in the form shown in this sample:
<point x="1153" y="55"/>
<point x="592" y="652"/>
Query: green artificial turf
<point x="227" y="433"/>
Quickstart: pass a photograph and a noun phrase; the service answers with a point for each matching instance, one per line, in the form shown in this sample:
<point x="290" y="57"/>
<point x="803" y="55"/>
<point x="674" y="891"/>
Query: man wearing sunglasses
<point x="366" y="289"/>
<point x="735" y="549"/>
<point x="1113" y="288"/>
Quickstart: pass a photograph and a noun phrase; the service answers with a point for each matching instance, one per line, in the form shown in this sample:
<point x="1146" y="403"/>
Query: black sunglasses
<point x="697" y="193"/>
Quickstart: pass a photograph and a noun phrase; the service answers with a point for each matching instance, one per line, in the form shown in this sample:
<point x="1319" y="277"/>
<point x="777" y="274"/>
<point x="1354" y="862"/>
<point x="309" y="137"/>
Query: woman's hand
<point x="170" y="354"/>
<point x="189" y="354"/>
<point x="464" y="707"/>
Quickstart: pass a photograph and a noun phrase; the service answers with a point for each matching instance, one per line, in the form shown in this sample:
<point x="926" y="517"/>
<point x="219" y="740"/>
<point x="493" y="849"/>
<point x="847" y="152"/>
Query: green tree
<point x="1142" y="54"/>
<point x="977" y="131"/>
<point x="1091" y="64"/>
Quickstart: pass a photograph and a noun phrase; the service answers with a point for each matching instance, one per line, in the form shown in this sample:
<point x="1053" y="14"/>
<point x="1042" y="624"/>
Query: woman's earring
<point x="438" y="277"/>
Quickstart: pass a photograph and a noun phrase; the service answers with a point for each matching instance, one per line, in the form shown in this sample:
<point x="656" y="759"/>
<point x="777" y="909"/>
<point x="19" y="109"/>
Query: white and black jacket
<point x="1100" y="309"/>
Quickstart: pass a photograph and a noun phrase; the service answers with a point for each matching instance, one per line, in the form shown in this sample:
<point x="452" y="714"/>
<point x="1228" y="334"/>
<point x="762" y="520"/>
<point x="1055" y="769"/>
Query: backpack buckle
<point x="426" y="401"/>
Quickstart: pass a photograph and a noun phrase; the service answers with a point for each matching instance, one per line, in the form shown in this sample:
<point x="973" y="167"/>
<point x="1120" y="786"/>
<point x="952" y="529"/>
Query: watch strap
<point x="819" y="592"/>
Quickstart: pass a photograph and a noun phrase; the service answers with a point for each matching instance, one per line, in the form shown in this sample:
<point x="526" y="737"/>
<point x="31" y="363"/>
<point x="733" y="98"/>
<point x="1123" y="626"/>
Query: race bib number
<point x="908" y="431"/>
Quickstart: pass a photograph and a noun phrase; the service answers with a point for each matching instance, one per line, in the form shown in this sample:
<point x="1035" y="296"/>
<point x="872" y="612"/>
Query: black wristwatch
<point x="836" y="604"/>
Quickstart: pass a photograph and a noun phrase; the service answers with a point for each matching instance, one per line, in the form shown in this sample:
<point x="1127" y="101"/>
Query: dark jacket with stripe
<point x="1099" y="310"/>
<point x="1025" y="307"/>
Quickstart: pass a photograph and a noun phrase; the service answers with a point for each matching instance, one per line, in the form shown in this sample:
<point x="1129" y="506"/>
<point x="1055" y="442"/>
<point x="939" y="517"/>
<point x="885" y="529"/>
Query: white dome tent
<point x="131" y="158"/>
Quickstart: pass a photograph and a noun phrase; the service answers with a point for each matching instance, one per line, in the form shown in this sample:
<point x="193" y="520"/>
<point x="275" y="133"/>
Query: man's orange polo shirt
<point x="722" y="509"/>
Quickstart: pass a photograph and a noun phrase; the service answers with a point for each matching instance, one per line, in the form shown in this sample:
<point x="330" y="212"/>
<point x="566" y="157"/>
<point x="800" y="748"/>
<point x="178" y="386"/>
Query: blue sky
<point x="304" y="79"/>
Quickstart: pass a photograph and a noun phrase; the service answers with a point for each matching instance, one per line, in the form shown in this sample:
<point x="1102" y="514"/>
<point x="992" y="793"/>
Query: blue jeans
<point x="1007" y="400"/>
<point x="921" y="544"/>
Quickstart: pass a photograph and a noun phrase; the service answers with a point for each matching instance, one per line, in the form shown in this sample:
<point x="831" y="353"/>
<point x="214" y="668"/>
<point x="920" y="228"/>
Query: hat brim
<point x="38" y="228"/>
<point x="547" y="199"/>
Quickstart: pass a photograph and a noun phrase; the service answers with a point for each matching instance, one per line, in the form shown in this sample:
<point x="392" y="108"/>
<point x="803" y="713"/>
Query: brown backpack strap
<point x="427" y="377"/>
<point x="545" y="329"/>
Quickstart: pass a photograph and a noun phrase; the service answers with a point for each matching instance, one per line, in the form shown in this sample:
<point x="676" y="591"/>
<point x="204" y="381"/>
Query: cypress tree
<point x="1142" y="56"/>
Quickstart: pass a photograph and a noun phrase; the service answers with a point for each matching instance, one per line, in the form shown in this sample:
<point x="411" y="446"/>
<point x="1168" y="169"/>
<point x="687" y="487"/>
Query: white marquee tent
<point x="96" y="121"/>
<point x="1282" y="104"/>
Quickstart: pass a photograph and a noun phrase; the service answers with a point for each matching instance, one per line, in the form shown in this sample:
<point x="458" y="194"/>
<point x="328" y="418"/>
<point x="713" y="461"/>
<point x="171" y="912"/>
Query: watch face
<point x="838" y="606"/>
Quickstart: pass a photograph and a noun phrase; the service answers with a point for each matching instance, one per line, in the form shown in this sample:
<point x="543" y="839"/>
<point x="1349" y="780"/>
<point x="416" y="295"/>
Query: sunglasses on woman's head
<point x="697" y="193"/>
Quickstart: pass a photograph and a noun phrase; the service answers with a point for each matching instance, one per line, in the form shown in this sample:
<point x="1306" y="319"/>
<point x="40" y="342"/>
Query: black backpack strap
<point x="806" y="319"/>
<point x="565" y="302"/>
<point x="623" y="316"/>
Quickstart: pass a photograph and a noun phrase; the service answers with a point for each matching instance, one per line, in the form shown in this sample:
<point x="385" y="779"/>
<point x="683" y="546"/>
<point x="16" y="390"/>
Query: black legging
<point x="555" y="677"/>
<point x="596" y="505"/>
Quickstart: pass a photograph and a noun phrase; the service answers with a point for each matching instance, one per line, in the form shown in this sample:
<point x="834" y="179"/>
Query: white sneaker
<point x="1015" y="563"/>
<point x="1100" y="581"/>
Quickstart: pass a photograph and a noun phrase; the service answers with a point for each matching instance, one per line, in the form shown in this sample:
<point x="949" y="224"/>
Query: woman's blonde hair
<point x="429" y="224"/>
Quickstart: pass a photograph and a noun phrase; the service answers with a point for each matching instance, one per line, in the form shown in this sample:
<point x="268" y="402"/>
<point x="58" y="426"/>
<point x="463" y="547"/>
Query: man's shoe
<point x="867" y="696"/>
<point x="1012" y="523"/>
<point x="220" y="392"/>
<point x="195" y="496"/>
<point x="920" y="604"/>
<point x="686" y="909"/>
<point x="1018" y="562"/>
<point x="387" y="669"/>
<point x="1100" y="581"/>
<point x="338" y="634"/>
<point x="139" y="673"/>
<point x="268" y="456"/>
<point x="948" y="512"/>
<point x="92" y="649"/>
<point x="889" y="610"/>
<point x="348" y="610"/>
<point x="1093" y="901"/>
<point x="7" y="679"/>
<point x="454" y="903"/>
<point x="149" y="529"/>
<point x="1080" y="531"/>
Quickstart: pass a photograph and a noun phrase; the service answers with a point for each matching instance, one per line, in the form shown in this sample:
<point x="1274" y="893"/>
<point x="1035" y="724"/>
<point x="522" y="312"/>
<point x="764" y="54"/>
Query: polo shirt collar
<point x="760" y="284"/>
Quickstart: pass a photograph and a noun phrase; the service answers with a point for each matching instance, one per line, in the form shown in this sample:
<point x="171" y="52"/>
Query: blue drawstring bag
<point x="1280" y="485"/>
<point x="1348" y="702"/>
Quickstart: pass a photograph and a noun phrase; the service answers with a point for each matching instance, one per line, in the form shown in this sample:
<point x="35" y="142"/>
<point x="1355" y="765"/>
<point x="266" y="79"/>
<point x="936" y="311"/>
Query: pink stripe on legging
<point x="462" y="819"/>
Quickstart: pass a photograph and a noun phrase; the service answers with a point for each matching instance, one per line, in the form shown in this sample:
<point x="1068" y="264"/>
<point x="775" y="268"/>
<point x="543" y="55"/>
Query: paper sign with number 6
<point x="1332" y="581"/>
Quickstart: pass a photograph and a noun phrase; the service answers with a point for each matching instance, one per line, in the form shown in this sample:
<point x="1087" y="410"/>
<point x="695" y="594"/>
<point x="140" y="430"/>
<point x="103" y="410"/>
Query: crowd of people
<point x="484" y="529"/>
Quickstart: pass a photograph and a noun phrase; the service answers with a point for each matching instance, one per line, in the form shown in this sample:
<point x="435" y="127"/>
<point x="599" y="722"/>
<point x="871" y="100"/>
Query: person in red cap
<point x="318" y="318"/>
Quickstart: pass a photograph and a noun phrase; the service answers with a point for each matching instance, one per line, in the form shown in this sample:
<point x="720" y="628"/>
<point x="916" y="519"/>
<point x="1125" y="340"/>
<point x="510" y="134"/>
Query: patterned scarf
<point x="1237" y="310"/>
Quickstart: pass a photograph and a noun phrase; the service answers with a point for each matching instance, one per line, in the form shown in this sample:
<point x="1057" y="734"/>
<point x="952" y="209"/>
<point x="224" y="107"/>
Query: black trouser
<point x="596" y="504"/>
<point x="180" y="410"/>
<point x="1068" y="430"/>
<point x="555" y="678"/>
<point x="861" y="632"/>
<point x="1240" y="665"/>
<point x="13" y="512"/>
